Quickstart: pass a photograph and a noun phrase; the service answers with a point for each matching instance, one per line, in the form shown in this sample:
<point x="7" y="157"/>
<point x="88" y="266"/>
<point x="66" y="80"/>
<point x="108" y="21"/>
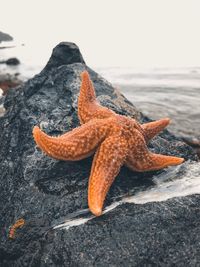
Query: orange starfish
<point x="18" y="224"/>
<point x="116" y="139"/>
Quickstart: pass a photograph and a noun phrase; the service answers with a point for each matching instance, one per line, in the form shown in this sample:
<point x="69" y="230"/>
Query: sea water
<point x="159" y="93"/>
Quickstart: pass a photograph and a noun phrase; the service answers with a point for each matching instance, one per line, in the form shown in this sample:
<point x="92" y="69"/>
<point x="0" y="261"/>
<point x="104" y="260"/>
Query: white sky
<point x="137" y="33"/>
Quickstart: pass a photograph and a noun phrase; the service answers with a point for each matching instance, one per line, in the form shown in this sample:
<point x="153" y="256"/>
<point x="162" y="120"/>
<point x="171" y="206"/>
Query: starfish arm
<point x="153" y="128"/>
<point x="74" y="145"/>
<point x="106" y="165"/>
<point x="88" y="107"/>
<point x="141" y="159"/>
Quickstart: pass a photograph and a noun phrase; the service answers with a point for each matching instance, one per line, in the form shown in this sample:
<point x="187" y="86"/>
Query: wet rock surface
<point x="46" y="192"/>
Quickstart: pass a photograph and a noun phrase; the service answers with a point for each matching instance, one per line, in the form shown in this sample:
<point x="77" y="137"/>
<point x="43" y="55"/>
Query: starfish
<point x="116" y="140"/>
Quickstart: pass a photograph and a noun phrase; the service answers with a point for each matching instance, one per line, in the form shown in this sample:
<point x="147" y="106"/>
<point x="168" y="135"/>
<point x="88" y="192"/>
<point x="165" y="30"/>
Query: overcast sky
<point x="137" y="33"/>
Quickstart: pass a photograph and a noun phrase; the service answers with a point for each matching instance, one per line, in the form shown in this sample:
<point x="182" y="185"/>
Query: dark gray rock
<point x="5" y="37"/>
<point x="63" y="54"/>
<point x="46" y="192"/>
<point x="13" y="61"/>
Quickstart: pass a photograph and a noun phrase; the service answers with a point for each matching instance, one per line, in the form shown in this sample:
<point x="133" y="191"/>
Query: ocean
<point x="159" y="93"/>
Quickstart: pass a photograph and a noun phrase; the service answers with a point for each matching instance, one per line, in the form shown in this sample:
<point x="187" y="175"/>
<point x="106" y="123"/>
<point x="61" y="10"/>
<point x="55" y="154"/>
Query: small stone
<point x="12" y="61"/>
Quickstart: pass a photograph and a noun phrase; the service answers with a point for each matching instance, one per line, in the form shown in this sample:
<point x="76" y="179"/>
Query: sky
<point x="123" y="33"/>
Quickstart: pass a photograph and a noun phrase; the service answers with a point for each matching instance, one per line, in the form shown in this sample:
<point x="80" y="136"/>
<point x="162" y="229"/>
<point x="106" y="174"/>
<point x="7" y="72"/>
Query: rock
<point x="46" y="192"/>
<point x="5" y="37"/>
<point x="194" y="143"/>
<point x="12" y="61"/>
<point x="63" y="54"/>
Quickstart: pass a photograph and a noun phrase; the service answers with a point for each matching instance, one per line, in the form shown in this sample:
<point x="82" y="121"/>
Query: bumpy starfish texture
<point x="115" y="140"/>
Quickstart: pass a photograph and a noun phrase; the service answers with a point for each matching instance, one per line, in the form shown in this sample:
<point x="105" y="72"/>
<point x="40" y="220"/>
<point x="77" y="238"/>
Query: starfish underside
<point x="115" y="140"/>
